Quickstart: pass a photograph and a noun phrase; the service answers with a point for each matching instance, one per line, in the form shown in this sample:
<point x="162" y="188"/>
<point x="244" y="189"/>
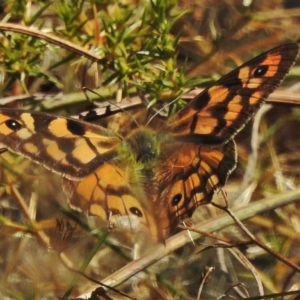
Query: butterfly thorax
<point x="144" y="144"/>
<point x="141" y="150"/>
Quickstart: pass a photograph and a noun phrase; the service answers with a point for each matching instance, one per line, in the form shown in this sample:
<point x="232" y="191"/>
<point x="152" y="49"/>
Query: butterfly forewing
<point x="221" y="111"/>
<point x="64" y="145"/>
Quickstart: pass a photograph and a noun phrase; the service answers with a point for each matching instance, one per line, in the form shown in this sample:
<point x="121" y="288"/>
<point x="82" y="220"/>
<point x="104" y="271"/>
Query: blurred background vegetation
<point x="145" y="54"/>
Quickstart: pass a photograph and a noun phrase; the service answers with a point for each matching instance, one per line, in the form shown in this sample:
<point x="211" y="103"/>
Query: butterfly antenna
<point x="114" y="104"/>
<point x="164" y="107"/>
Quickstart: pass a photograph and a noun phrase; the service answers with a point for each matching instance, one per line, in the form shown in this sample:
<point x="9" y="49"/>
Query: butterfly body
<point x="158" y="177"/>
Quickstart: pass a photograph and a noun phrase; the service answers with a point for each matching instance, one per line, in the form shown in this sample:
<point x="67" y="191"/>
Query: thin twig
<point x="209" y="270"/>
<point x="51" y="39"/>
<point x="256" y="240"/>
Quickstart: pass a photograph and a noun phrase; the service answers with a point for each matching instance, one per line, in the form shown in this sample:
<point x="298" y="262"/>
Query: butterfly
<point x="158" y="177"/>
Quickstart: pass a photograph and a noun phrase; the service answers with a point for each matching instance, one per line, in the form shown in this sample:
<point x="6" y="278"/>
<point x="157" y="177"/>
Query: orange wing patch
<point x="108" y="193"/>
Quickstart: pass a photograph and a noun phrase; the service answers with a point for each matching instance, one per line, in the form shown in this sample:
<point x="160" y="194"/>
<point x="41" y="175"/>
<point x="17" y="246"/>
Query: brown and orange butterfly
<point x="157" y="177"/>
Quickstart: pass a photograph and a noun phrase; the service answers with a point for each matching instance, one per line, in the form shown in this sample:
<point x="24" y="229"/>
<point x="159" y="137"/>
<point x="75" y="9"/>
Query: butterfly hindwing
<point x="194" y="173"/>
<point x="108" y="192"/>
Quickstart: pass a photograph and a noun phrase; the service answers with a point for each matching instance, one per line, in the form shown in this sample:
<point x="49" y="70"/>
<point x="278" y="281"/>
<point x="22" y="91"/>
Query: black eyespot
<point x="136" y="211"/>
<point x="75" y="127"/>
<point x="13" y="124"/>
<point x="176" y="199"/>
<point x="261" y="71"/>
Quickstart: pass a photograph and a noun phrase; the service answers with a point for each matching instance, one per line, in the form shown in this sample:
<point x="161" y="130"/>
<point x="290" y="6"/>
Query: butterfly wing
<point x="95" y="179"/>
<point x="110" y="192"/>
<point x="203" y="152"/>
<point x="196" y="157"/>
<point x="188" y="177"/>
<point x="66" y="146"/>
<point x="221" y="111"/>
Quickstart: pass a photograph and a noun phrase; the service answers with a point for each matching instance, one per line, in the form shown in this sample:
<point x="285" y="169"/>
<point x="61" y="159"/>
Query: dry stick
<point x="109" y="288"/>
<point x="51" y="39"/>
<point x="55" y="102"/>
<point x="254" y="239"/>
<point x="227" y="243"/>
<point x="209" y="270"/>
